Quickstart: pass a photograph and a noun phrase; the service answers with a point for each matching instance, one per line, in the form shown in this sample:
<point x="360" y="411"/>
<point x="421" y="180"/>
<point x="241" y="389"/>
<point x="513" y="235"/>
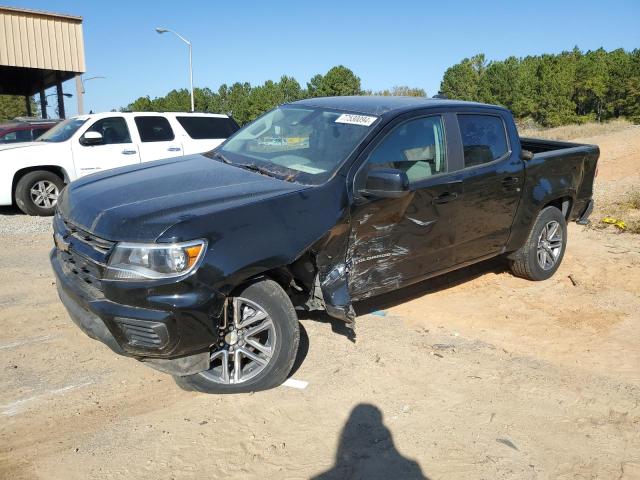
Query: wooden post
<point x="60" y="99"/>
<point x="27" y="103"/>
<point x="43" y="104"/>
<point x="80" y="94"/>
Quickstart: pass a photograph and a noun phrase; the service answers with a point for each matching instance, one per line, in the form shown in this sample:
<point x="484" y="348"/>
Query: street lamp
<point x="165" y="30"/>
<point x="68" y="95"/>
<point x="90" y="78"/>
<point x="46" y="103"/>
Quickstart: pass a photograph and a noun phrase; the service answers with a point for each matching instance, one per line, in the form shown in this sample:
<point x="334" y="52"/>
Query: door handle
<point x="445" y="198"/>
<point x="510" y="183"/>
<point x="174" y="149"/>
<point x="129" y="152"/>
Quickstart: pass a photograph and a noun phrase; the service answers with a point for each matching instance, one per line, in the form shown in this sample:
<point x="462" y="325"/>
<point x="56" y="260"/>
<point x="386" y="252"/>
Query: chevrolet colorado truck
<point x="197" y="266"/>
<point x="32" y="174"/>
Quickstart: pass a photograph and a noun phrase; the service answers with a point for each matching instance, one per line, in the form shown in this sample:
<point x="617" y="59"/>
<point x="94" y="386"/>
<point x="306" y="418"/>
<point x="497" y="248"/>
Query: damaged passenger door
<point x="397" y="238"/>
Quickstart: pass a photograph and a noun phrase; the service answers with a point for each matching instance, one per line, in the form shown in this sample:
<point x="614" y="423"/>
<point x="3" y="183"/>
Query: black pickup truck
<point x="197" y="265"/>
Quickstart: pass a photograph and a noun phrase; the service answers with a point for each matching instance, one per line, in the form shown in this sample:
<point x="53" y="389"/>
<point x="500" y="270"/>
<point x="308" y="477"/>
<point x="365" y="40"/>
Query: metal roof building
<point x="39" y="50"/>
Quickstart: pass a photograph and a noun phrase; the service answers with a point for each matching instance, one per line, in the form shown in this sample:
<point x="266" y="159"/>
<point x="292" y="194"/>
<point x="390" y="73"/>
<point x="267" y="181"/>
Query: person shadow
<point x="367" y="451"/>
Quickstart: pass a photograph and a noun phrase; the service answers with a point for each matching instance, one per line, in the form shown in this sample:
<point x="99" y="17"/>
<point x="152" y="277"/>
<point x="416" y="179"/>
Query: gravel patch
<point x="15" y="223"/>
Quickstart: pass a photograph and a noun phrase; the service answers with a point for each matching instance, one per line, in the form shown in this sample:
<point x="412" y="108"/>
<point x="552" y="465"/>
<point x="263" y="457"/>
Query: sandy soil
<point x="475" y="375"/>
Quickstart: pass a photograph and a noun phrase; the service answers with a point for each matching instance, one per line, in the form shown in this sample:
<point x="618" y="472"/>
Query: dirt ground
<point x="475" y="375"/>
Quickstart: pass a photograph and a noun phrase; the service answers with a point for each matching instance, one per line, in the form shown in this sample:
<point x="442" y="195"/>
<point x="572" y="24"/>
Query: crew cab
<point x="197" y="266"/>
<point x="32" y="174"/>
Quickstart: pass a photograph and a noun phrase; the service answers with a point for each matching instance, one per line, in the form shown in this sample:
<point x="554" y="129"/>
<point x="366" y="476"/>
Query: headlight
<point x="138" y="261"/>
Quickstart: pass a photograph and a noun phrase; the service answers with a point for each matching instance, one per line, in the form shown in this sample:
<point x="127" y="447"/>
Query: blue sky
<point x="384" y="43"/>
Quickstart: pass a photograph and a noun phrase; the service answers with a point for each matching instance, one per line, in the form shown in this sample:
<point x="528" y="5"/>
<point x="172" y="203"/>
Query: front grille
<point x="87" y="274"/>
<point x="84" y="260"/>
<point x="142" y="333"/>
<point x="99" y="244"/>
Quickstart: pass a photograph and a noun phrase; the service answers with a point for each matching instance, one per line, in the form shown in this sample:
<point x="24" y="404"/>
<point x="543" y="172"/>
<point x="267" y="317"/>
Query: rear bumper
<point x="174" y="341"/>
<point x="583" y="219"/>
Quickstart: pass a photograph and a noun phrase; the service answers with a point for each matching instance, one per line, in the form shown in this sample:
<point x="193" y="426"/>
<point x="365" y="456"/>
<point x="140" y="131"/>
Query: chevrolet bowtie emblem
<point x="61" y="242"/>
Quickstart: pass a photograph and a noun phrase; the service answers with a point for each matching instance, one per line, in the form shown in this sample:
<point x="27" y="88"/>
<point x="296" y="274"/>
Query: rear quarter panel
<point x="565" y="172"/>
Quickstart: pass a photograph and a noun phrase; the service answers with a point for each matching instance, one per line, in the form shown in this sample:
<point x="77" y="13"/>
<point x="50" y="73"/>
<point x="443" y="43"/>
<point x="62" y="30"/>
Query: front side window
<point x="200" y="128"/>
<point x="154" y="129"/>
<point x="63" y="131"/>
<point x="36" y="132"/>
<point x="483" y="137"/>
<point x="304" y="144"/>
<point x="416" y="146"/>
<point x="114" y="130"/>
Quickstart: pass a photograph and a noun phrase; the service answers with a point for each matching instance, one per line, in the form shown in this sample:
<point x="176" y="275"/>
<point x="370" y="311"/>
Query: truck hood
<point x="13" y="146"/>
<point x="138" y="203"/>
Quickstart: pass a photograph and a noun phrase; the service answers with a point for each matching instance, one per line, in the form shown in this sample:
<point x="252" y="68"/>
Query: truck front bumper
<point x="174" y="340"/>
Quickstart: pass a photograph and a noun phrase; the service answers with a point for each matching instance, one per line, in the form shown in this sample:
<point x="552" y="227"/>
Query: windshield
<point x="302" y="144"/>
<point x="63" y="131"/>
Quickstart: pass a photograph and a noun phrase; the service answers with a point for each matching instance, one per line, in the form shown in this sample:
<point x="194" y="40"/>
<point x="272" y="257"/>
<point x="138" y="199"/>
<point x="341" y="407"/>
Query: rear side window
<point x="154" y="129"/>
<point x="16" y="136"/>
<point x="200" y="128"/>
<point x="483" y="137"/>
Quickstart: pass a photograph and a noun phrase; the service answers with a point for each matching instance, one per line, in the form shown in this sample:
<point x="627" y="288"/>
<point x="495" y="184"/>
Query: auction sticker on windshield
<point x="364" y="120"/>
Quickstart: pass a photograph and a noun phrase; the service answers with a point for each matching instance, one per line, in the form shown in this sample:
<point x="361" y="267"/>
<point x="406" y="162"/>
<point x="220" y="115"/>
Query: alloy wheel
<point x="44" y="194"/>
<point x="549" y="245"/>
<point x="246" y="344"/>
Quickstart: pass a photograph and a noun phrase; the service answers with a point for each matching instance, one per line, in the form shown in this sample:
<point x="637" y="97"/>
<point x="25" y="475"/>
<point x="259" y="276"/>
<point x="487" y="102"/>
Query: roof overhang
<point x="29" y="81"/>
<point x="38" y="50"/>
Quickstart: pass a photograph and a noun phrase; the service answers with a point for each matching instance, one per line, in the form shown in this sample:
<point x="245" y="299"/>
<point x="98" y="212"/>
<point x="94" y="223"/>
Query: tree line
<point x="571" y="87"/>
<point x="246" y="102"/>
<point x="552" y="90"/>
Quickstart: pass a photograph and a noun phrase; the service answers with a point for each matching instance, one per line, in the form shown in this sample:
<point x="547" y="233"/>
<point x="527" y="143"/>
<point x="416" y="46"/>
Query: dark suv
<point x="24" y="130"/>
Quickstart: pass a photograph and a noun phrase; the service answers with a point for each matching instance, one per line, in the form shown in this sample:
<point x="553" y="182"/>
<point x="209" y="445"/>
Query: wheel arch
<point x="295" y="278"/>
<point x="563" y="203"/>
<point x="55" y="169"/>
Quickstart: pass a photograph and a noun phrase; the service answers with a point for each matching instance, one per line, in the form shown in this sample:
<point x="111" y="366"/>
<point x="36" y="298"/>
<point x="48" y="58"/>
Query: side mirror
<point x="91" y="138"/>
<point x="386" y="183"/>
<point x="526" y="155"/>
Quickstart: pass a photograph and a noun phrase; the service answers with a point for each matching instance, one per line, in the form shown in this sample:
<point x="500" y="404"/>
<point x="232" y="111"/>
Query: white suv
<point x="33" y="174"/>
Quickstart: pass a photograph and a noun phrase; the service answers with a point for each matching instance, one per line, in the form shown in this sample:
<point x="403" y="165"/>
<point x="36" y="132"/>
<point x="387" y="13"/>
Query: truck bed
<point x="563" y="167"/>
<point x="543" y="145"/>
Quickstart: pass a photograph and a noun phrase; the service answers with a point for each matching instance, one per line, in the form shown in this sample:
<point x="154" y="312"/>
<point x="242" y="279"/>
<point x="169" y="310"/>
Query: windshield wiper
<point x="222" y="157"/>
<point x="255" y="168"/>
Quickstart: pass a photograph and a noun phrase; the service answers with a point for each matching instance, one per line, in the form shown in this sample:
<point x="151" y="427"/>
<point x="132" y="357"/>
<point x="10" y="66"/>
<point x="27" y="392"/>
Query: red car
<point x="24" y="129"/>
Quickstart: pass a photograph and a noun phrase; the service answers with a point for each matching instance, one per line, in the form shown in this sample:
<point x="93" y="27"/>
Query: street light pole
<point x="164" y="30"/>
<point x="84" y="80"/>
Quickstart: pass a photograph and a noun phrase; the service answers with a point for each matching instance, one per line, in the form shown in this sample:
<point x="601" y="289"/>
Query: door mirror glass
<point x="386" y="183"/>
<point x="91" y="138"/>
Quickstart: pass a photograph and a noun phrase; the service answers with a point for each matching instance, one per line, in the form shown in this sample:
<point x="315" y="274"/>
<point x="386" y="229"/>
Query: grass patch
<point x="622" y="215"/>
<point x="571" y="132"/>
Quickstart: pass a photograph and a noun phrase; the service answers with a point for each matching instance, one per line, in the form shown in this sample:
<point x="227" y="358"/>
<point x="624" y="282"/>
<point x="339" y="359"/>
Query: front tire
<point x="258" y="347"/>
<point x="37" y="192"/>
<point x="541" y="255"/>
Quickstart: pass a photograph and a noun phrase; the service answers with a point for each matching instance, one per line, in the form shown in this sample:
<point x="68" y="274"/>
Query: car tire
<point x="541" y="255"/>
<point x="27" y="195"/>
<point x="269" y="297"/>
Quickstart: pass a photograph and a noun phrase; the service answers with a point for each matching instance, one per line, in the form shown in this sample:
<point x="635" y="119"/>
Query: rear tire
<point x="280" y="340"/>
<point x="541" y="255"/>
<point x="37" y="192"/>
